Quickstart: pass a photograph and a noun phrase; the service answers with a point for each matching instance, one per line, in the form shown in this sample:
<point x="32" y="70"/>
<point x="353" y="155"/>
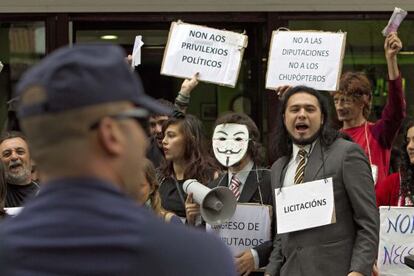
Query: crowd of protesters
<point x="75" y="192"/>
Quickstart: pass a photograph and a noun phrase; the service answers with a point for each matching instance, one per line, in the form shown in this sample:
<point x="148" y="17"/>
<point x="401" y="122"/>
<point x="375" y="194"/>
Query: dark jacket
<point x="88" y="227"/>
<point x="349" y="244"/>
<point x="250" y="194"/>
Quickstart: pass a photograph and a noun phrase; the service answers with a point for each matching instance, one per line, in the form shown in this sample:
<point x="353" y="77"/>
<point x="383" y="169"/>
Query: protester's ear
<point x="110" y="137"/>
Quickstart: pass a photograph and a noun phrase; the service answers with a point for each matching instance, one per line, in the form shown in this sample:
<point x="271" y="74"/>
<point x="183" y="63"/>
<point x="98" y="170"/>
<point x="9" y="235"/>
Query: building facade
<point x="29" y="30"/>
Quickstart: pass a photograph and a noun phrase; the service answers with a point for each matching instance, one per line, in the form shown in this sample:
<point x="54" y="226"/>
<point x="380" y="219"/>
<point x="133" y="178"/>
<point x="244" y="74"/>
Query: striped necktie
<point x="300" y="170"/>
<point x="235" y="186"/>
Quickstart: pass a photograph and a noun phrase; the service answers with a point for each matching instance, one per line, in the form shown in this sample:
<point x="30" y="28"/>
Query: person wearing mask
<point x="236" y="145"/>
<point x="85" y="114"/>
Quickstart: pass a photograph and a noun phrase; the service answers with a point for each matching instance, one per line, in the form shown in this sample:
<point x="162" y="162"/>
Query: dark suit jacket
<point x="250" y="194"/>
<point x="350" y="244"/>
<point x="88" y="227"/>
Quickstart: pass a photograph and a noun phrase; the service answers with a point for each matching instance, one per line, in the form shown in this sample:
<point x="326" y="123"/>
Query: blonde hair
<point x="154" y="196"/>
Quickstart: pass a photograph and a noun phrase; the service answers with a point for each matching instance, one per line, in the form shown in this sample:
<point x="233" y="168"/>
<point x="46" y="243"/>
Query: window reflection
<point x="22" y="45"/>
<point x="206" y="97"/>
<point x="365" y="52"/>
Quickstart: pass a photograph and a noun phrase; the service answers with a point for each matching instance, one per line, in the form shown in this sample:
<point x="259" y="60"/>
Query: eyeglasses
<point x="139" y="114"/>
<point x="344" y="100"/>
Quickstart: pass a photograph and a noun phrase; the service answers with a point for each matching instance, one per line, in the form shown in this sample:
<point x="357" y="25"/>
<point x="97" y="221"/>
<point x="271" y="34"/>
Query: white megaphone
<point x="216" y="205"/>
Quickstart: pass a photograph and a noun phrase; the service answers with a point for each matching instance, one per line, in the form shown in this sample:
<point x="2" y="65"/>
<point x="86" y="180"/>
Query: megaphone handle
<point x="221" y="179"/>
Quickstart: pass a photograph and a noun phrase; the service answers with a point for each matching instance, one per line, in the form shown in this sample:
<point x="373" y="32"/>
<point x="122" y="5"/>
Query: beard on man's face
<point x="304" y="142"/>
<point x="21" y="177"/>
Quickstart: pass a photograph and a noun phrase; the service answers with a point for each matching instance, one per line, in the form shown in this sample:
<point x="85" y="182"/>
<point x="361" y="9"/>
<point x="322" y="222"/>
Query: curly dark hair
<point x="282" y="143"/>
<point x="406" y="168"/>
<point x="200" y="164"/>
<point x="255" y="148"/>
<point x="165" y="103"/>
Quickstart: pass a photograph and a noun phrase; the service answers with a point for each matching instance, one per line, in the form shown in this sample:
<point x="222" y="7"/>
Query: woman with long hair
<point x="150" y="195"/>
<point x="397" y="189"/>
<point x="186" y="157"/>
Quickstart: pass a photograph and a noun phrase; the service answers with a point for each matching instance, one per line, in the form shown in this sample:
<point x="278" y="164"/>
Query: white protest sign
<point x="396" y="240"/>
<point x="308" y="58"/>
<point x="215" y="54"/>
<point x="305" y="205"/>
<point x="249" y="227"/>
<point x="136" y="52"/>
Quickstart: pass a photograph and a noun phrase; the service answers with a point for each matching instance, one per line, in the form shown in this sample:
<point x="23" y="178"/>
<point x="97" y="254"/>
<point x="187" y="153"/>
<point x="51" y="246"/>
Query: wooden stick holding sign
<point x="310" y="58"/>
<point x="215" y="54"/>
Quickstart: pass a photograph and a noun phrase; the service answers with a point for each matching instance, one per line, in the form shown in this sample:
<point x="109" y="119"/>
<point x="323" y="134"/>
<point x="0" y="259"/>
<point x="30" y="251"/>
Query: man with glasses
<point x="353" y="104"/>
<point x="84" y="112"/>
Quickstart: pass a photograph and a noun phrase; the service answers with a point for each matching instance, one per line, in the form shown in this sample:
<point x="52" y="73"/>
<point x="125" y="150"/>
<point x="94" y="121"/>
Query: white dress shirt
<point x="241" y="175"/>
<point x="294" y="162"/>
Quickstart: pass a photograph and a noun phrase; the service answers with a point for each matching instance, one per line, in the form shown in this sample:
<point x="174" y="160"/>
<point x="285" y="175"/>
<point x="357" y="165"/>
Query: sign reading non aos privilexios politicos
<point x="215" y="54"/>
<point x="311" y="58"/>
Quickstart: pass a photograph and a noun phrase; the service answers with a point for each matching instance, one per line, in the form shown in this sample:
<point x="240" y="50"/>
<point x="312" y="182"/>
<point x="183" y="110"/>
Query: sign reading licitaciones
<point x="308" y="205"/>
<point x="310" y="58"/>
<point x="215" y="54"/>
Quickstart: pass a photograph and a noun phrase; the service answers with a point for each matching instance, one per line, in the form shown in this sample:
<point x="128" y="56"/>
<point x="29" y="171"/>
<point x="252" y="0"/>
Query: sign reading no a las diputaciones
<point x="215" y="54"/>
<point x="311" y="58"/>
